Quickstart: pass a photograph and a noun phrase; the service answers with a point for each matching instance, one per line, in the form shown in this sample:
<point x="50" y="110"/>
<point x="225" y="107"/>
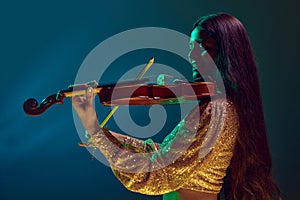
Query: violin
<point x="129" y="93"/>
<point x="133" y="92"/>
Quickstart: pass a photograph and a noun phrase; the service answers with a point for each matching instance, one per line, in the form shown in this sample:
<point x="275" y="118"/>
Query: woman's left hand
<point x="84" y="106"/>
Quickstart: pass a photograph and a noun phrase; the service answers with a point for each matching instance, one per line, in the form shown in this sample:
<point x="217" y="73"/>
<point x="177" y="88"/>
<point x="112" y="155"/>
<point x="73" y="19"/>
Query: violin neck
<point x="70" y="92"/>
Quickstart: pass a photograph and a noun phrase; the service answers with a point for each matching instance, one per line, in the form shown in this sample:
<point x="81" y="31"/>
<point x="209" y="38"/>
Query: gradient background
<point x="44" y="43"/>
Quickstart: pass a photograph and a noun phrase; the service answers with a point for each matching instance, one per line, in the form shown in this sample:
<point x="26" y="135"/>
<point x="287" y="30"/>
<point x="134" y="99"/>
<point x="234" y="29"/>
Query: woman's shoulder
<point x="212" y="111"/>
<point x="224" y="112"/>
<point x="220" y="110"/>
<point x="220" y="105"/>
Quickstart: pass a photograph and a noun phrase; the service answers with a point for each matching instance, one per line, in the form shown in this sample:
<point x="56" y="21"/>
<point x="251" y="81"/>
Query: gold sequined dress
<point x="194" y="156"/>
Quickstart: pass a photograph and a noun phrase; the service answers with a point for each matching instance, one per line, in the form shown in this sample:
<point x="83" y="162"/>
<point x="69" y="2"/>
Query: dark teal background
<point x="43" y="43"/>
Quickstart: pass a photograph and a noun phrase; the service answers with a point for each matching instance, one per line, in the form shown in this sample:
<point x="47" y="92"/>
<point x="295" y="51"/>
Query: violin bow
<point x="115" y="108"/>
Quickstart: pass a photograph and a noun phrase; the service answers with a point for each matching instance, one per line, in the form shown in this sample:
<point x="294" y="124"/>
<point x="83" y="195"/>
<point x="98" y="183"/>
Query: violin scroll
<point x="31" y="106"/>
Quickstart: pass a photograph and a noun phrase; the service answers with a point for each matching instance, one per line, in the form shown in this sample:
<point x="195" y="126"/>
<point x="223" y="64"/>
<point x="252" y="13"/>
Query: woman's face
<point x="202" y="52"/>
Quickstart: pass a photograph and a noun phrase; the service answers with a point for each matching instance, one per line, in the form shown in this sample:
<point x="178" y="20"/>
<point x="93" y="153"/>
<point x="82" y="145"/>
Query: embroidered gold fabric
<point x="194" y="156"/>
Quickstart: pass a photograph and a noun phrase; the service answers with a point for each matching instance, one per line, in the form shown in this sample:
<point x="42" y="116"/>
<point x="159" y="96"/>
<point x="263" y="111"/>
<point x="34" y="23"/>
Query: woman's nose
<point x="192" y="55"/>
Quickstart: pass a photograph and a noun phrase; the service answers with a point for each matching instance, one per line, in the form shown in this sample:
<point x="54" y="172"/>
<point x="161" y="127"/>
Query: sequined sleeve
<point x="148" y="170"/>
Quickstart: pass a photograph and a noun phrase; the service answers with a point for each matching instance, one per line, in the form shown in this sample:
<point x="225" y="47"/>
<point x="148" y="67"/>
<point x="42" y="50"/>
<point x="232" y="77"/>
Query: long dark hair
<point x="249" y="174"/>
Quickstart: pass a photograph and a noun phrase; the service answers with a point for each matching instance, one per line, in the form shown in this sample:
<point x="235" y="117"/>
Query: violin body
<point x="149" y="94"/>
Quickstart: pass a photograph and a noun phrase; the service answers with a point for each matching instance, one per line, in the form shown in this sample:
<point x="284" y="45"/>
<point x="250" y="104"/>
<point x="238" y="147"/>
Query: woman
<point x="184" y="166"/>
